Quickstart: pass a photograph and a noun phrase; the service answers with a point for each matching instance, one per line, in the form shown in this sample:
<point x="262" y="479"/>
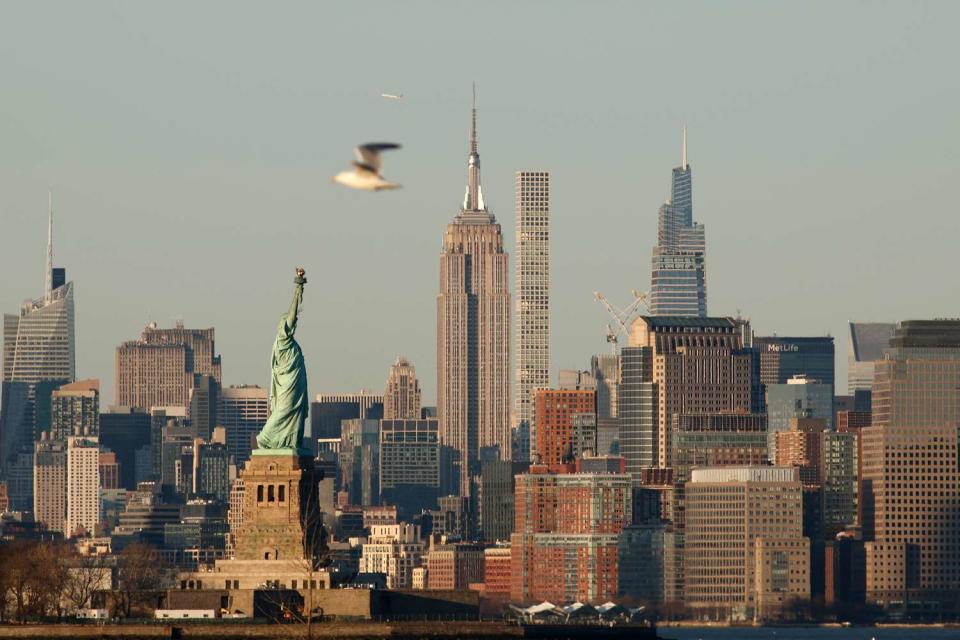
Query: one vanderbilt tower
<point x="678" y="283"/>
<point x="473" y="331"/>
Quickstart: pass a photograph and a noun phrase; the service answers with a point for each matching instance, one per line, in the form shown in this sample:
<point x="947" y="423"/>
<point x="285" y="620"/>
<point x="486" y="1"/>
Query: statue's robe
<point x="288" y="387"/>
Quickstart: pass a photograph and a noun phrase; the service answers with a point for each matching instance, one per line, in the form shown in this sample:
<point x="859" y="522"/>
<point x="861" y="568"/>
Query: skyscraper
<point x="800" y="397"/>
<point x="163" y="366"/>
<point x="50" y="483"/>
<point x="782" y="358"/>
<point x="532" y="286"/>
<point x="401" y="399"/>
<point x="39" y="342"/>
<point x="868" y="340"/>
<point x="910" y="478"/>
<point x="554" y="415"/>
<point x="75" y="410"/>
<point x="737" y="562"/>
<point x="678" y="285"/>
<point x="242" y="413"/>
<point x="566" y="533"/>
<point x="679" y="365"/>
<point x="409" y="464"/>
<point x="473" y="330"/>
<point x="83" y="485"/>
<point x="331" y="409"/>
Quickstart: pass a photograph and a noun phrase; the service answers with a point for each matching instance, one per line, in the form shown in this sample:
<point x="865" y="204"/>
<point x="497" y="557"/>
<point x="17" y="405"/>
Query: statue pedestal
<point x="281" y="510"/>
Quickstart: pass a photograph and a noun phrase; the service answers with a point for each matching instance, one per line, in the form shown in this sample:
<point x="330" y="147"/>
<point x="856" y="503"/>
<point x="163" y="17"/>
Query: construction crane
<point x="621" y="317"/>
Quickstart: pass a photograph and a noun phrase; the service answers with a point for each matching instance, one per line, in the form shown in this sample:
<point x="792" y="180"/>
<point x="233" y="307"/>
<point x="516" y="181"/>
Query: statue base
<point x="281" y="508"/>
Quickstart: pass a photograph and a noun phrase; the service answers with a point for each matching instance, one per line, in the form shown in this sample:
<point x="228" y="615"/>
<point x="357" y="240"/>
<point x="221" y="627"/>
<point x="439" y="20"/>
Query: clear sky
<point x="190" y="146"/>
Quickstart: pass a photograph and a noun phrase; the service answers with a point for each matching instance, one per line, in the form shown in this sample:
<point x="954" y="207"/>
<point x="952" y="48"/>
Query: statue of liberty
<point x="283" y="432"/>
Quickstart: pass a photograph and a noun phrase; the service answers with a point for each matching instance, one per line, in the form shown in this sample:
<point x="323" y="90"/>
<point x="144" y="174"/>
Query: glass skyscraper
<point x="38" y="345"/>
<point x="678" y="284"/>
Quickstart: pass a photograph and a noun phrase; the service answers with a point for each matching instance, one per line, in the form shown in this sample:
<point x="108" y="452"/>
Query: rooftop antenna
<point x="48" y="276"/>
<point x="683" y="151"/>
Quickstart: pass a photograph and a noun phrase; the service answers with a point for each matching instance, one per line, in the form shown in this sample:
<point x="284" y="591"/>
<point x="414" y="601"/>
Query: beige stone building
<point x="401" y="399"/>
<point x="473" y="331"/>
<point x="911" y="482"/>
<point x="394" y="550"/>
<point x="160" y="368"/>
<point x="744" y="546"/>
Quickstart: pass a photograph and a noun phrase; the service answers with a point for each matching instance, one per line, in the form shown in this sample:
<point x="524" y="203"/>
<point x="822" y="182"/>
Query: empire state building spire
<point x="473" y="199"/>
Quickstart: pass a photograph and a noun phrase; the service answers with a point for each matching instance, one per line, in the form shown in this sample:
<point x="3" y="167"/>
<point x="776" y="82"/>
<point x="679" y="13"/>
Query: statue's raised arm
<point x="288" y="384"/>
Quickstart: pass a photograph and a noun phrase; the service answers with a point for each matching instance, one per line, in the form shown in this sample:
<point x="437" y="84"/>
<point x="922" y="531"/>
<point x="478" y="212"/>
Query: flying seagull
<point x="366" y="169"/>
<point x="392" y="96"/>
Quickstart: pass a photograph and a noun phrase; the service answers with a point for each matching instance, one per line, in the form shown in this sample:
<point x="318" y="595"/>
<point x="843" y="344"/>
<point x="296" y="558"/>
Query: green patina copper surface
<point x="283" y="432"/>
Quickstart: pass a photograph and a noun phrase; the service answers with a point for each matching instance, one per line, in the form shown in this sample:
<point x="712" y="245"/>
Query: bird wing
<point x="368" y="154"/>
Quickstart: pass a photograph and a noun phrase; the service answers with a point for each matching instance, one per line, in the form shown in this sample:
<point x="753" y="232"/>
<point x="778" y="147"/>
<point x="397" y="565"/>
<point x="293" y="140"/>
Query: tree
<point x="142" y="572"/>
<point x="85" y="576"/>
<point x="33" y="578"/>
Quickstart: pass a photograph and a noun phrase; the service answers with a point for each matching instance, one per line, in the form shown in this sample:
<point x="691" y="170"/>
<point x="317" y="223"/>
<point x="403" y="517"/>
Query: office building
<point x="164" y="365"/>
<point x="495" y="498"/>
<point x="678" y="283"/>
<point x="453" y="518"/>
<point x="204" y="401"/>
<point x="109" y="471"/>
<point x="242" y="412"/>
<point x="638" y="404"/>
<point x="126" y="432"/>
<point x="566" y="535"/>
<point x="839" y="474"/>
<point x="801" y="446"/>
<point x="454" y="566"/>
<point x="745" y="554"/>
<point x="641" y="570"/>
<point x="331" y="409"/>
<point x="75" y="410"/>
<point x="83" y="486"/>
<point x="50" y="484"/>
<point x="360" y="461"/>
<point x="867" y="343"/>
<point x="395" y="551"/>
<point x="679" y="365"/>
<point x="496" y="573"/>
<point x="800" y="397"/>
<point x="554" y="414"/>
<point x="16" y="421"/>
<point x="532" y="287"/>
<point x="211" y="471"/>
<point x="39" y="344"/>
<point x="409" y="464"/>
<point x="911" y="478"/>
<point x="702" y="440"/>
<point x="606" y="371"/>
<point x="473" y="331"/>
<point x="783" y="358"/>
<point x="401" y="398"/>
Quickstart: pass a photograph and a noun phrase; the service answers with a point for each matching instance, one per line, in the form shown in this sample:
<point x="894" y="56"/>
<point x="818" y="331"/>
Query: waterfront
<point x="809" y="633"/>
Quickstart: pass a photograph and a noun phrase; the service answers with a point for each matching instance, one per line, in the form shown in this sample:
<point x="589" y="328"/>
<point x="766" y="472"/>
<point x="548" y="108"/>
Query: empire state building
<point x="473" y="331"/>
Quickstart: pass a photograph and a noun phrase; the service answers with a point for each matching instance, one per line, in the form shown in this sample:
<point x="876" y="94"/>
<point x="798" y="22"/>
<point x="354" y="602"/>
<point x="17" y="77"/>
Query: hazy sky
<point x="190" y="146"/>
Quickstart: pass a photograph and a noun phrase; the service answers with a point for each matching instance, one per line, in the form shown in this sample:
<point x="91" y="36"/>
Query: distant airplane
<point x="392" y="96"/>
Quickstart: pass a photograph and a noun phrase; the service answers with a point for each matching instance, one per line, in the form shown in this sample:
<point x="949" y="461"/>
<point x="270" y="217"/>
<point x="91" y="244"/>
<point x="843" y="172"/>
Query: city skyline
<point x="116" y="208"/>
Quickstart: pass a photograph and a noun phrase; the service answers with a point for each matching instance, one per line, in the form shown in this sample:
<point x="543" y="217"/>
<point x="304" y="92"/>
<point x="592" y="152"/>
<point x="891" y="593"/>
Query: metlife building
<point x="782" y="358"/>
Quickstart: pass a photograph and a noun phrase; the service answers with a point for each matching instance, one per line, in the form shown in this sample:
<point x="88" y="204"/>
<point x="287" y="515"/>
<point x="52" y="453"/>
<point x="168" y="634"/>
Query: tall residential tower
<point x="678" y="284"/>
<point x="473" y="330"/>
<point x="532" y="280"/>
